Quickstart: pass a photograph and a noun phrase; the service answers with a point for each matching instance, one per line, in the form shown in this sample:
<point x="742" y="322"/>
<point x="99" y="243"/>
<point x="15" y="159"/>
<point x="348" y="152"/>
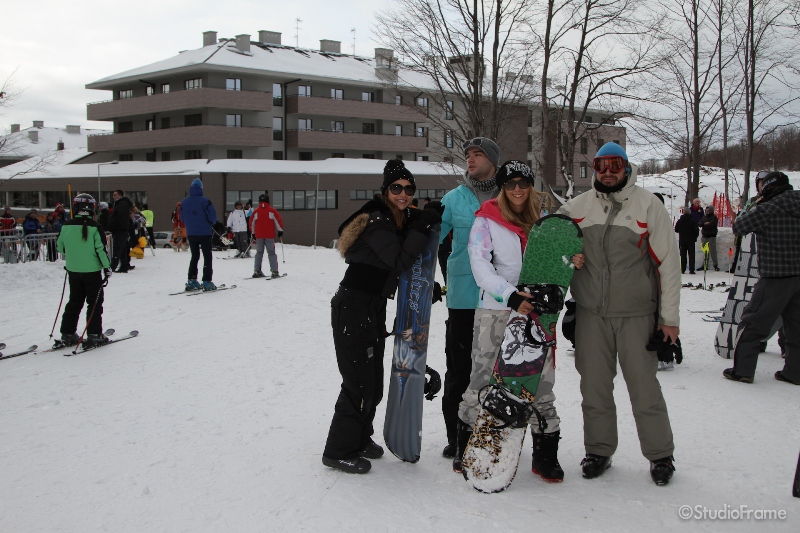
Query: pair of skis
<point x="268" y="278"/>
<point x="222" y="287"/>
<point x="59" y="345"/>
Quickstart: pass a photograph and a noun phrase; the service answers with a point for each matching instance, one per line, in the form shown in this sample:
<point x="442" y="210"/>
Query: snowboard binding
<point x="433" y="384"/>
<point x="508" y="409"/>
<point x="547" y="299"/>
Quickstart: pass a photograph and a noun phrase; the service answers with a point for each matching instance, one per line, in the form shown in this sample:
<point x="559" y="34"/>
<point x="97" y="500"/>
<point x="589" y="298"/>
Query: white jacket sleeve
<point x="664" y="251"/>
<point x="480" y="249"/>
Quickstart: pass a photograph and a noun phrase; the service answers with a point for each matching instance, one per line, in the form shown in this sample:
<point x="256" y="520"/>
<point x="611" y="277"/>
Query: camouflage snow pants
<point x="487" y="335"/>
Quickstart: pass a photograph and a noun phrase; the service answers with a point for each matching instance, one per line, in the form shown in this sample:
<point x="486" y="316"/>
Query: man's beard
<point x="606" y="189"/>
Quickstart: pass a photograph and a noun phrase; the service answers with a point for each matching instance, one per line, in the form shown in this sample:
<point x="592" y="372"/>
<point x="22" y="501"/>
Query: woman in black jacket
<point x="379" y="241"/>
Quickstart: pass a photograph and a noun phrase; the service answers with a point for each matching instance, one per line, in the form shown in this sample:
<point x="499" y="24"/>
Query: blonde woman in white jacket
<point x="496" y="245"/>
<point x="237" y="223"/>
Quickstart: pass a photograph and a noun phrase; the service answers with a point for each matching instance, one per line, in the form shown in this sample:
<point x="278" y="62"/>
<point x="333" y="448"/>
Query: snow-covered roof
<point x="63" y="166"/>
<point x="19" y="145"/>
<point x="269" y="59"/>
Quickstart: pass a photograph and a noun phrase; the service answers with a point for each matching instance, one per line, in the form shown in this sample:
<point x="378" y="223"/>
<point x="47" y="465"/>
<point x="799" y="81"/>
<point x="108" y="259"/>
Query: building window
<point x="24" y="199"/>
<point x="126" y="157"/>
<point x="447" y="159"/>
<point x="398" y="100"/>
<point x="448" y="110"/>
<point x="234" y="154"/>
<point x="277" y="155"/>
<point x="164" y="88"/>
<point x="194" y="83"/>
<point x="530" y="119"/>
<point x="233" y="84"/>
<point x="337" y="155"/>
<point x="55" y="197"/>
<point x="193" y="154"/>
<point x="304" y="90"/>
<point x="150" y="156"/>
<point x="433" y="194"/>
<point x="367" y="156"/>
<point x="399" y="156"/>
<point x="448" y="138"/>
<point x="233" y="121"/>
<point x="421" y="131"/>
<point x="166" y="156"/>
<point x="422" y="101"/>
<point x="337" y="94"/>
<point x="149" y="90"/>
<point x="398" y="130"/>
<point x="304" y="124"/>
<point x="584" y="170"/>
<point x="126" y="93"/>
<point x="530" y="143"/>
<point x="297" y="200"/>
<point x="423" y="158"/>
<point x="149" y="124"/>
<point x="363" y="194"/>
<point x="367" y="96"/>
<point x="306" y="156"/>
<point x="277" y="128"/>
<point x="600" y="142"/>
<point x="125" y="127"/>
<point x="337" y="126"/>
<point x="277" y="94"/>
<point x="195" y="119"/>
<point x="584" y="145"/>
<point x="615" y="141"/>
<point x="368" y="127"/>
<point x="165" y="123"/>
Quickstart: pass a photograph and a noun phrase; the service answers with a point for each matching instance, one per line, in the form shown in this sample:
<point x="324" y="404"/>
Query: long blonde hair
<point x="532" y="210"/>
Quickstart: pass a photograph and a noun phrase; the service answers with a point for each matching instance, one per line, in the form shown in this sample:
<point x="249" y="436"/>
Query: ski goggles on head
<point x="396" y="188"/>
<point x="522" y="183"/>
<point x="612" y="164"/>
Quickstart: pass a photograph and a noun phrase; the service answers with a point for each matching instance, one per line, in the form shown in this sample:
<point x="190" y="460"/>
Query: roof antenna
<point x="353" y="31"/>
<point x="297" y="22"/>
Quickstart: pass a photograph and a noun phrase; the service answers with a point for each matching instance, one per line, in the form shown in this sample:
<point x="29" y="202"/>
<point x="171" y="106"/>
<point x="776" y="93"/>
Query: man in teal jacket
<point x="482" y="155"/>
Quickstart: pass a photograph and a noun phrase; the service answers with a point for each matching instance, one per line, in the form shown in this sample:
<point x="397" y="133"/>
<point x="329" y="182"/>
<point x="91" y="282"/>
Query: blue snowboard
<point x="402" y="429"/>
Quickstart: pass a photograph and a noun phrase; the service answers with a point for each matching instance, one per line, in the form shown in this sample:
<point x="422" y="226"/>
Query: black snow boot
<point x="545" y="457"/>
<point x="594" y="465"/>
<point x="462" y="437"/>
<point x="372" y="450"/>
<point x="449" y="451"/>
<point x="358" y="465"/>
<point x="67" y="339"/>
<point x="661" y="470"/>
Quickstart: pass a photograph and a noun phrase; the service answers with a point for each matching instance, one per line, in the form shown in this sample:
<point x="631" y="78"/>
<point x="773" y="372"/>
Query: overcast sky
<point x="52" y="48"/>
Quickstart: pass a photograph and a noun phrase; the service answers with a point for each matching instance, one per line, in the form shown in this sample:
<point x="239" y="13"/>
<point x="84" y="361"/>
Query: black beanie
<point x="393" y="171"/>
<point x="773" y="184"/>
<point x="513" y="169"/>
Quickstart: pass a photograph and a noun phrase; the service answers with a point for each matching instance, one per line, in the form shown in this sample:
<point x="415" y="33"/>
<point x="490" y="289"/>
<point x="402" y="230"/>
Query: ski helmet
<point x="83" y="205"/>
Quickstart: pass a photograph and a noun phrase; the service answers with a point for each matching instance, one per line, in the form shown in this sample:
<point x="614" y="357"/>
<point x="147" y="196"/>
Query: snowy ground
<point x="214" y="419"/>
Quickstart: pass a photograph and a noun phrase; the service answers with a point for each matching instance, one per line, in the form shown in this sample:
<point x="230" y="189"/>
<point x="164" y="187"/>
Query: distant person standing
<point x="696" y="211"/>
<point x="687" y="231"/>
<point x="237" y="223"/>
<point x="119" y="224"/>
<point x="266" y="223"/>
<point x="708" y="234"/>
<point x="149" y="218"/>
<point x="199" y="215"/>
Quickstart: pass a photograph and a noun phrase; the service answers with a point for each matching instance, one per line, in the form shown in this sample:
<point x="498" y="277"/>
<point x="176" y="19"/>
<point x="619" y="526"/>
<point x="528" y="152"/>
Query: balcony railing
<point x="206" y="97"/>
<point x="332" y="107"/>
<point x="340" y="140"/>
<point x="181" y="136"/>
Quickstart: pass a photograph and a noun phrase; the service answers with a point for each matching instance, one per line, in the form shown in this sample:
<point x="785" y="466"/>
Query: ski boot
<point x="192" y="285"/>
<point x="661" y="470"/>
<point x="209" y="286"/>
<point x="462" y="438"/>
<point x="372" y="450"/>
<point x="258" y="274"/>
<point x="93" y="340"/>
<point x="67" y="339"/>
<point x="594" y="465"/>
<point x="275" y="274"/>
<point x="545" y="457"/>
<point x="359" y="465"/>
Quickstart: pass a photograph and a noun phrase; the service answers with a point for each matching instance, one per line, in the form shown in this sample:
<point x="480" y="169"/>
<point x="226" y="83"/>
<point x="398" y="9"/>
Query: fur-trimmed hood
<point x="352" y="228"/>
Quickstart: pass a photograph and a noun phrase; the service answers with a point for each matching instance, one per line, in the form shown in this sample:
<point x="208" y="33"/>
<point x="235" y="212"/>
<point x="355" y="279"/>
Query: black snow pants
<point x="84" y="287"/>
<point x="358" y="320"/>
<point x="458" y="355"/>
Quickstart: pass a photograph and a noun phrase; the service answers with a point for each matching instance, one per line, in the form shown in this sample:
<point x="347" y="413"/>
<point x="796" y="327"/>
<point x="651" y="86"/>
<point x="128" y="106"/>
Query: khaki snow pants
<point x="488" y="330"/>
<point x="599" y="342"/>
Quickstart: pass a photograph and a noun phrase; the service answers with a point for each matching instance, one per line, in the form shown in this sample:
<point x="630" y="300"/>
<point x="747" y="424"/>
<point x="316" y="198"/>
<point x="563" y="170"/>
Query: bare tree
<point x="472" y="53"/>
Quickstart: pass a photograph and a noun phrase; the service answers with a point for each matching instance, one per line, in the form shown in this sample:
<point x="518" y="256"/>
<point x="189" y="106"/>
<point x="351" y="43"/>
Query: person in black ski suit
<point x="378" y="241"/>
<point x="687" y="231"/>
<point x="119" y="224"/>
<point x="708" y="234"/>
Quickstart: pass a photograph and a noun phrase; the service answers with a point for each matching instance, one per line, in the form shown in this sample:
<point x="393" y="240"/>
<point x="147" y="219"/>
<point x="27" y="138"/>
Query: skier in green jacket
<point x="88" y="267"/>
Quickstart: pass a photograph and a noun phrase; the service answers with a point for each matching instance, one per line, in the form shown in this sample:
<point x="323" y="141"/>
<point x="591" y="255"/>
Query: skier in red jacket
<point x="265" y="224"/>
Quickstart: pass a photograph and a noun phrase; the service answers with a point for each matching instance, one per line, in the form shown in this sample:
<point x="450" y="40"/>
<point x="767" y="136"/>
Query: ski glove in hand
<point x="424" y="220"/>
<point x="665" y="351"/>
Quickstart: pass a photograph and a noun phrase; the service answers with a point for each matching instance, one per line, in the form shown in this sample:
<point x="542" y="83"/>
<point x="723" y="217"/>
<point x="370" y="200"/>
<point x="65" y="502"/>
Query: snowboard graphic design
<point x="402" y="429"/>
<point x="492" y="454"/>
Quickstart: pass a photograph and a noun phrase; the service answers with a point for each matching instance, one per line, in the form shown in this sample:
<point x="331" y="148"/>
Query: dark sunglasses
<point x="521" y="183"/>
<point x="396" y="188"/>
<point x="610" y="164"/>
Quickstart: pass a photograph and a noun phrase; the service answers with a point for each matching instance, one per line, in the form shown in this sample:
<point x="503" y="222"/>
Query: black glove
<point x="665" y="351"/>
<point x="437" y="293"/>
<point x="433" y="384"/>
<point x="106" y="276"/>
<point x="515" y="300"/>
<point x="280" y="233"/>
<point x="424" y="220"/>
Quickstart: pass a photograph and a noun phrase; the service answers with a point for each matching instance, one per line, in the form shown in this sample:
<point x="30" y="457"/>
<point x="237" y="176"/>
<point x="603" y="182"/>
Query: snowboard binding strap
<point x="547" y="298"/>
<point x="506" y="407"/>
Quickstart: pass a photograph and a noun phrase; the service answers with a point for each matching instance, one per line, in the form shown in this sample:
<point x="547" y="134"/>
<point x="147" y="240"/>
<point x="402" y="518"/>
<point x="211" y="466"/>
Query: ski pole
<point x="283" y="254"/>
<point x="61" y="301"/>
<point x="91" y="315"/>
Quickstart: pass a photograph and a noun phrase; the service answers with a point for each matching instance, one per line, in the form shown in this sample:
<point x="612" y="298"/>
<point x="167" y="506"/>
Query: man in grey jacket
<point x="627" y="292"/>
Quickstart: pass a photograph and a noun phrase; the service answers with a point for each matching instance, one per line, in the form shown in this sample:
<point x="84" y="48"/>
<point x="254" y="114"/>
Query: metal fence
<point x="18" y="248"/>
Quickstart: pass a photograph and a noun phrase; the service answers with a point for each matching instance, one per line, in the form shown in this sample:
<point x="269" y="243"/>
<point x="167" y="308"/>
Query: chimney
<point x="269" y="37"/>
<point x="33" y="135"/>
<point x="384" y="64"/>
<point x="331" y="47"/>
<point x="38" y="124"/>
<point x="14" y="128"/>
<point x="209" y="38"/>
<point x="72" y="128"/>
<point x="60" y="145"/>
<point x="243" y="42"/>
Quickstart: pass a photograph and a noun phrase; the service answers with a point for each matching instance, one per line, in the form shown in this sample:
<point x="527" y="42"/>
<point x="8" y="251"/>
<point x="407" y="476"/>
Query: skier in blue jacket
<point x="199" y="215"/>
<point x="482" y="155"/>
